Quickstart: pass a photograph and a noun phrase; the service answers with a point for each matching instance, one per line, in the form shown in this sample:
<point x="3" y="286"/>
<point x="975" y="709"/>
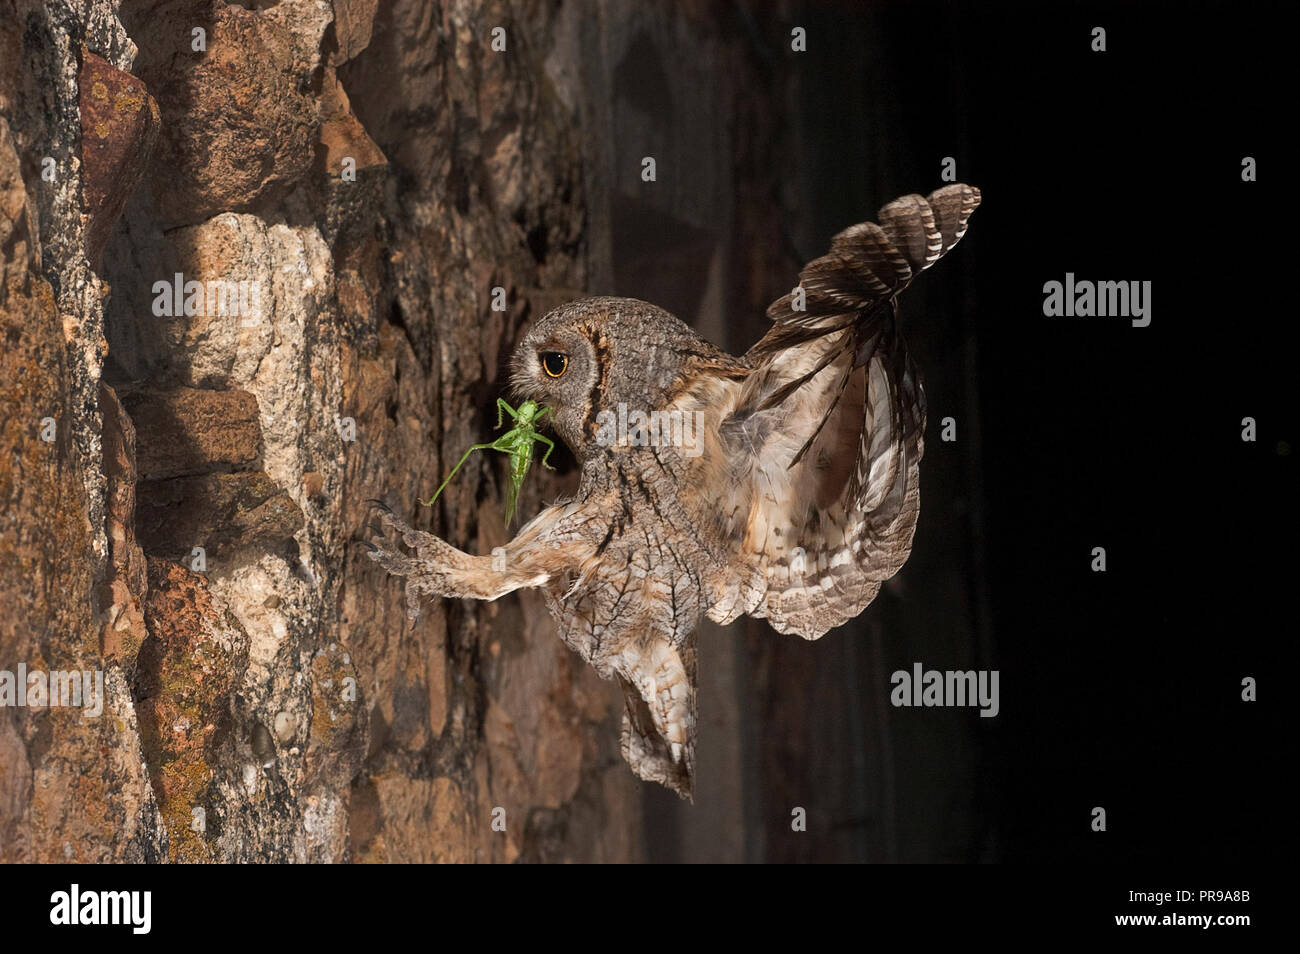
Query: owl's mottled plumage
<point x="795" y="501"/>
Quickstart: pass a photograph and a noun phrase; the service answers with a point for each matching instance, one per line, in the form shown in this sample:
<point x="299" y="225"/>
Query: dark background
<point x="1118" y="689"/>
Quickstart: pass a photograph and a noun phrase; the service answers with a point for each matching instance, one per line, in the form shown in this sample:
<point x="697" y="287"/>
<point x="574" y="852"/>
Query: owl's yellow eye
<point x="554" y="363"/>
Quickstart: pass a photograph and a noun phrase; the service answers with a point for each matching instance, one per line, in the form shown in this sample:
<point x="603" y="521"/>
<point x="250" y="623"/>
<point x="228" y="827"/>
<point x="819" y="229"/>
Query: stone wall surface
<point x="185" y="473"/>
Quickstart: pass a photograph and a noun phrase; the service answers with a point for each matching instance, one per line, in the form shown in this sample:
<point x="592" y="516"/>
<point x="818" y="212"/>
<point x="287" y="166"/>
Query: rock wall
<point x="248" y="256"/>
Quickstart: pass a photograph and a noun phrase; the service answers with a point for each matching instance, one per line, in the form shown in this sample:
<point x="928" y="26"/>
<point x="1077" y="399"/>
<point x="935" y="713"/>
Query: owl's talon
<point x="379" y="504"/>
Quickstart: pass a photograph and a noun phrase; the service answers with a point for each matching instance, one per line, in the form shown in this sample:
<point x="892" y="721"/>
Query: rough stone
<point x="353" y="22"/>
<point x="341" y="134"/>
<point x="119" y="125"/>
<point x="119" y="596"/>
<point x="187" y="672"/>
<point x="191" y="431"/>
<point x="219" y="512"/>
<point x="238" y="118"/>
<point x="72" y="783"/>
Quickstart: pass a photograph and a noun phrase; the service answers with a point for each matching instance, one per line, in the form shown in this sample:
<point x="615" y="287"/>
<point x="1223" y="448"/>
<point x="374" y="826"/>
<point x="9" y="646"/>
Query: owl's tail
<point x="869" y="264"/>
<point x="829" y="425"/>
<point x="854" y="288"/>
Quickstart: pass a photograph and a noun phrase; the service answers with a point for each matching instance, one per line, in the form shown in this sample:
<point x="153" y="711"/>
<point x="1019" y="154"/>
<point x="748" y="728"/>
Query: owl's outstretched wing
<point x="826" y="434"/>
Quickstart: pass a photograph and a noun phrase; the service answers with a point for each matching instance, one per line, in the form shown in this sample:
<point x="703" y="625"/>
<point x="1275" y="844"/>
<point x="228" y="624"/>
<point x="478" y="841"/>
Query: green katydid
<point x="518" y="443"/>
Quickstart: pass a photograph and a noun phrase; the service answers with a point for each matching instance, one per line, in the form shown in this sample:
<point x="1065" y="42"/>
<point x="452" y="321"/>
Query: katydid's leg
<point x="491" y="446"/>
<point x="503" y="407"/>
<point x="550" y="446"/>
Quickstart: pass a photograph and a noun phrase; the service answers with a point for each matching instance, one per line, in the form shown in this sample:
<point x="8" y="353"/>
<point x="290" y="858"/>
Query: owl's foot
<point x="422" y="576"/>
<point x="427" y="572"/>
<point x="410" y="536"/>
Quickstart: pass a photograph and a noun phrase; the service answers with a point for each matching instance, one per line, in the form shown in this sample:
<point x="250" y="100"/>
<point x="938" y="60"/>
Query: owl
<point x="780" y="484"/>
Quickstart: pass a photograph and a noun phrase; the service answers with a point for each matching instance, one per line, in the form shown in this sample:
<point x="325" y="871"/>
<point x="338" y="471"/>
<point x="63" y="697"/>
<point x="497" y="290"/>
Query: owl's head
<point x="591" y="355"/>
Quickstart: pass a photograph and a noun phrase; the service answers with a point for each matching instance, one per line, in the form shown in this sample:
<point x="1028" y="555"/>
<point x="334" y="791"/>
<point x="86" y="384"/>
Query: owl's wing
<point x="826" y="434"/>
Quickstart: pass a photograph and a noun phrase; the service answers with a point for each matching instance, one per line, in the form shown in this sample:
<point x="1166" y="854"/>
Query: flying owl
<point x="782" y="483"/>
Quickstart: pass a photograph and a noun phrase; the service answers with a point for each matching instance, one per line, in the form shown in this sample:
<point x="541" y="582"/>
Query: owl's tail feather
<point x="854" y="288"/>
<point x="829" y="425"/>
<point x="869" y="264"/>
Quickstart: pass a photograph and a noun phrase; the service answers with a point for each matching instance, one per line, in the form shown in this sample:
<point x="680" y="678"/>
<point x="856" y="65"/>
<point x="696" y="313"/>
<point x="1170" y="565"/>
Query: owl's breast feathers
<point x="631" y="606"/>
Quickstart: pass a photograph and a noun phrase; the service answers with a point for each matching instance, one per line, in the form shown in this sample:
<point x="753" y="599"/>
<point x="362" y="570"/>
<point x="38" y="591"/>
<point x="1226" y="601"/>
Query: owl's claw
<point x="379" y="504"/>
<point x="423" y="574"/>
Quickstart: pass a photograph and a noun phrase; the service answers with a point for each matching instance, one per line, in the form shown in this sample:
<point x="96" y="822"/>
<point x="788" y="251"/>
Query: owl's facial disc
<point x="555" y="366"/>
<point x="543" y="369"/>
